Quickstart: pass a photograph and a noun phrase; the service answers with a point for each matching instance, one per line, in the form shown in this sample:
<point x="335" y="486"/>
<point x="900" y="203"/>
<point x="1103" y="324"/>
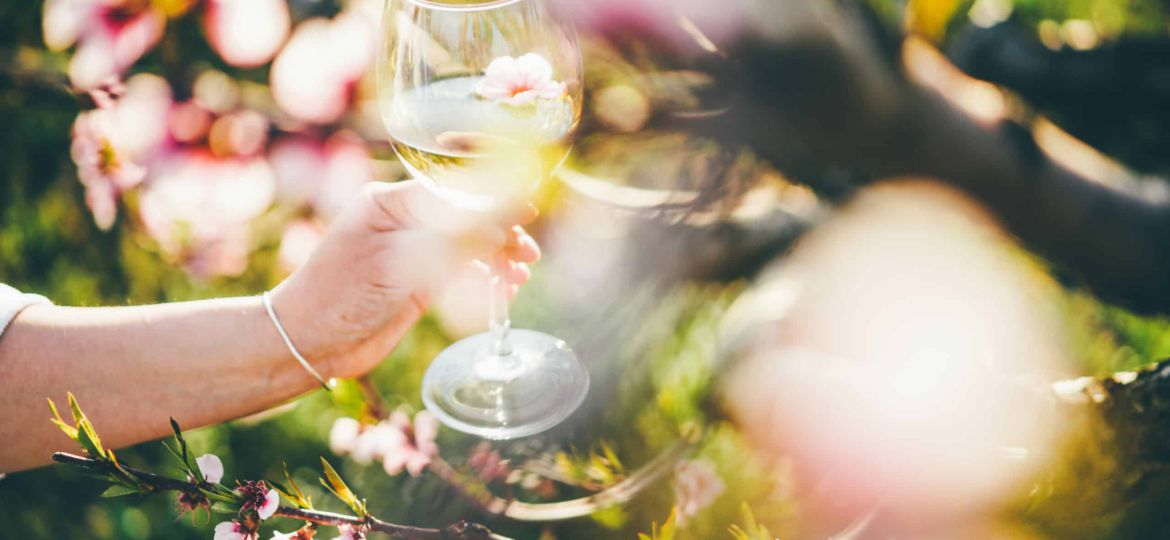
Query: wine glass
<point x="479" y="98"/>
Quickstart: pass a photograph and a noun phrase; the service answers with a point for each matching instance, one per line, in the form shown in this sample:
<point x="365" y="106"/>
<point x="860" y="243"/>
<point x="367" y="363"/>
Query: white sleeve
<point x="13" y="301"/>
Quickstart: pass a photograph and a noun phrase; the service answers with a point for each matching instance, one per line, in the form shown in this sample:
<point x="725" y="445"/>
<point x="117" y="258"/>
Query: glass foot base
<point x="534" y="388"/>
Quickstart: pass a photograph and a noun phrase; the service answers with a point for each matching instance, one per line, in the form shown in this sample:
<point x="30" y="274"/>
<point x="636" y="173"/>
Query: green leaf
<point x="338" y="487"/>
<point x="88" y="438"/>
<point x="752" y="530"/>
<point x="300" y="499"/>
<point x="233" y="498"/>
<point x="78" y="416"/>
<point x="667" y="530"/>
<point x="612" y="518"/>
<point x="69" y="430"/>
<point x="119" y="490"/>
<point x="221" y="507"/>
<point x="174" y="452"/>
<point x="184" y="455"/>
<point x="611" y="456"/>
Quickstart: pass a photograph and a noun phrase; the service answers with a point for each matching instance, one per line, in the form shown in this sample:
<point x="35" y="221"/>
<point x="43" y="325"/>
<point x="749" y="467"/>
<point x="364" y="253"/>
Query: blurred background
<point x="855" y="269"/>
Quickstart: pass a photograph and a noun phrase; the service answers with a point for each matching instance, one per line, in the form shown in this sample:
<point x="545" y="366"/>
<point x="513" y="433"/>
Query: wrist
<point x="297" y="335"/>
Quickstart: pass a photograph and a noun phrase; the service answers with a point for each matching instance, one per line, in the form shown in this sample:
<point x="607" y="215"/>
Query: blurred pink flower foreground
<point x="110" y="35"/>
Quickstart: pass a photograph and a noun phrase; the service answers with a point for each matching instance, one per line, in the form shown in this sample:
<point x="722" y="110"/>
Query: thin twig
<point x="157" y="483"/>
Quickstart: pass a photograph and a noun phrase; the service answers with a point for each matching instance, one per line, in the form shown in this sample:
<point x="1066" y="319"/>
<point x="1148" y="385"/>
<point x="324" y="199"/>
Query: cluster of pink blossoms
<point x="397" y="442"/>
<point x="261" y="501"/>
<point x="203" y="169"/>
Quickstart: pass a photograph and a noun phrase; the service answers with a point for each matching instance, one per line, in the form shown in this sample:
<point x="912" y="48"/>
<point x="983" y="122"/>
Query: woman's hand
<point x="382" y="263"/>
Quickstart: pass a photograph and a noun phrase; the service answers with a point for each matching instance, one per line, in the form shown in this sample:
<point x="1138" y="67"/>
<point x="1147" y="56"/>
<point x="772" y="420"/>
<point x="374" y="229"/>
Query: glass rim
<point x="443" y="5"/>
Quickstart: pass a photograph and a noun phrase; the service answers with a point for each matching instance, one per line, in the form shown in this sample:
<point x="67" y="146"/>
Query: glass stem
<point x="500" y="323"/>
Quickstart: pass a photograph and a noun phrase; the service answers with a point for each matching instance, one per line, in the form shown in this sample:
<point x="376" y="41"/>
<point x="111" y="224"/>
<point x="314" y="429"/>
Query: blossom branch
<point x="158" y="484"/>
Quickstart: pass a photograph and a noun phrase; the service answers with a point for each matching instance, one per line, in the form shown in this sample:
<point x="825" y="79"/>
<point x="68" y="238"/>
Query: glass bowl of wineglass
<point x="480" y="98"/>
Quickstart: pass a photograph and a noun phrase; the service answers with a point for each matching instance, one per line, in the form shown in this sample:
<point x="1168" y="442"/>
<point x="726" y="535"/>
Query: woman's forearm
<point x="133" y="367"/>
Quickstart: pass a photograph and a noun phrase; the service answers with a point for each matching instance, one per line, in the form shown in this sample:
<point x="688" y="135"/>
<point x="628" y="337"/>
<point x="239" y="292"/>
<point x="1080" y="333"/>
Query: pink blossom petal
<point x="271" y="504"/>
<point x="92" y="63"/>
<point x="313" y="77"/>
<point x="64" y="21"/>
<point x="491" y="91"/>
<point x="416" y="463"/>
<point x="247" y="33"/>
<point x="426" y="428"/>
<point x="347" y="169"/>
<point x="376" y="442"/>
<point x="344" y="434"/>
<point x="521" y="99"/>
<point x="399" y="419"/>
<point x="394" y="462"/>
<point x="210" y="467"/>
<point x="102" y="201"/>
<point x="230" y="530"/>
<point x="132" y="38"/>
<point x="299" y="164"/>
<point x="534" y="67"/>
<point x="139" y="117"/>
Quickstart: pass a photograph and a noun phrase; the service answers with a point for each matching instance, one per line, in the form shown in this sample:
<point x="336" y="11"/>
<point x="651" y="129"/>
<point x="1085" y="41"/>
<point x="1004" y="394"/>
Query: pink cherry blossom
<point x="313" y="79"/>
<point x="375" y="441"/>
<point x="397" y="442"/>
<point x="303" y="533"/>
<point x="271" y="504"/>
<point x="415" y="449"/>
<point x="487" y="463"/>
<point x="246" y="33"/>
<point x="326" y="175"/>
<point x="259" y="498"/>
<point x="346" y="532"/>
<point x="110" y="35"/>
<point x="696" y="486"/>
<point x="199" y="208"/>
<point x="519" y="81"/>
<point x="210" y="467"/>
<point x="344" y="435"/>
<point x="112" y="143"/>
<point x="234" y="530"/>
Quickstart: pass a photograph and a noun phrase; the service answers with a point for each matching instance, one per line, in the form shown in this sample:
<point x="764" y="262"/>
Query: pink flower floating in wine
<point x="519" y="81"/>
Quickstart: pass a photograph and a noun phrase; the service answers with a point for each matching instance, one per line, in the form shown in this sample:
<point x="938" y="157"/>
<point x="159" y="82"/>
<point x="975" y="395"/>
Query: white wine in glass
<point x="479" y="99"/>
